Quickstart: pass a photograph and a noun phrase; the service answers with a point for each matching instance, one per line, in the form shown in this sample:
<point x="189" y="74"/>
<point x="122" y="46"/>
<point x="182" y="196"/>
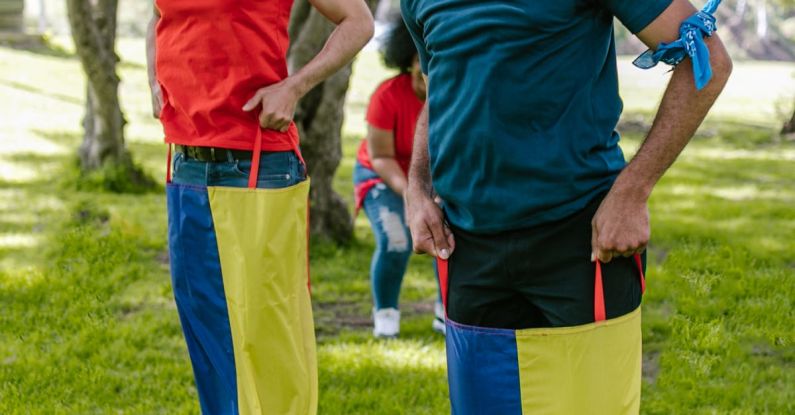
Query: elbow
<point x="367" y="27"/>
<point x="722" y="65"/>
<point x="720" y="61"/>
<point x="380" y="161"/>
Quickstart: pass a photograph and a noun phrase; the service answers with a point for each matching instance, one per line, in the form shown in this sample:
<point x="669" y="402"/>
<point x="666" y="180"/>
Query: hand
<point x="620" y="226"/>
<point x="278" y="103"/>
<point x="429" y="232"/>
<point x="157" y="100"/>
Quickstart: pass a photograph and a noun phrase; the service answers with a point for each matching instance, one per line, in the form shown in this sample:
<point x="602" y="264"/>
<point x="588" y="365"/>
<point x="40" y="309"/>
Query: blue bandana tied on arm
<point x="690" y="43"/>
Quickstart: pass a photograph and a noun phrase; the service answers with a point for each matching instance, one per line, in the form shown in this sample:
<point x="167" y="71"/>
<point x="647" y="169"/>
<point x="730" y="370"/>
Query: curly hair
<point x="398" y="49"/>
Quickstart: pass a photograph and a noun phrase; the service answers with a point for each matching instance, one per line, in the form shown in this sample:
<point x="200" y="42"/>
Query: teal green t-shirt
<point x="523" y="98"/>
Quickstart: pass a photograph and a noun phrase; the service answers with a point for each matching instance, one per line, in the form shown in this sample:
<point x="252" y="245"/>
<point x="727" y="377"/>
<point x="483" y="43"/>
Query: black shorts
<point x="536" y="277"/>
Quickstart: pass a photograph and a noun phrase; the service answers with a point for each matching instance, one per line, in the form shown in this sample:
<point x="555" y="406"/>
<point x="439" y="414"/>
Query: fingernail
<point x="444" y="254"/>
<point x="593" y="257"/>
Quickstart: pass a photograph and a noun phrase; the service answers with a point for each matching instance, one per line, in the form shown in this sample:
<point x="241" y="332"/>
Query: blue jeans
<point x="384" y="208"/>
<point x="277" y="170"/>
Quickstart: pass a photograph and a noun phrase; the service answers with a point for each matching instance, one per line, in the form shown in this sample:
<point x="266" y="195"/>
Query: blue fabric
<point x="199" y="293"/>
<point x="277" y="170"/>
<point x="392" y="247"/>
<point x="482" y="369"/>
<point x="523" y="99"/>
<point x="690" y="43"/>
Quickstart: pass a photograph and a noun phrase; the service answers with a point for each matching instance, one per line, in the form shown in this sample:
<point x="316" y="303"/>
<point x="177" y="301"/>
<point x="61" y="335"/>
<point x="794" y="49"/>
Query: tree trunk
<point x="93" y="25"/>
<point x="12" y="16"/>
<point x="789" y="126"/>
<point x="319" y="117"/>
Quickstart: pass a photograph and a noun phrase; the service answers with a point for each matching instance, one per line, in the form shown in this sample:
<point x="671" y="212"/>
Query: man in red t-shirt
<point x="221" y="88"/>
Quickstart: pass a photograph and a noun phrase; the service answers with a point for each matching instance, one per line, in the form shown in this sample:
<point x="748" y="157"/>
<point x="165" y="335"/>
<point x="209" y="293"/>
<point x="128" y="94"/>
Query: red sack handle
<point x="599" y="312"/>
<point x="255" y="158"/>
<point x="168" y="164"/>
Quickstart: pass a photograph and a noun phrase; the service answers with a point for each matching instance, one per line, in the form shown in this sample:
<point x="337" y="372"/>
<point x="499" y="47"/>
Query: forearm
<point x="347" y="39"/>
<point x="390" y="172"/>
<point x="420" y="170"/>
<point x="151" y="51"/>
<point x="681" y="111"/>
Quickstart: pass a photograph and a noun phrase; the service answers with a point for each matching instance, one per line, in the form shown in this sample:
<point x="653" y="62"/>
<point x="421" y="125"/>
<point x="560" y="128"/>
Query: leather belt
<point x="213" y="154"/>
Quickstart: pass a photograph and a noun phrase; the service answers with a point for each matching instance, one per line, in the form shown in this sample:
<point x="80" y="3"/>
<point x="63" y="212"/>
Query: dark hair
<point x="398" y="48"/>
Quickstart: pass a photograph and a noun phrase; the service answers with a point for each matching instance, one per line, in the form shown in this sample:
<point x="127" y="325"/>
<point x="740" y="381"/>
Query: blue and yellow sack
<point x="239" y="266"/>
<point x="582" y="370"/>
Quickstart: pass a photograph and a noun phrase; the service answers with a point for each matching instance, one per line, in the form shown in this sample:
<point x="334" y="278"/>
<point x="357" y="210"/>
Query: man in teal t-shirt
<point x="518" y="139"/>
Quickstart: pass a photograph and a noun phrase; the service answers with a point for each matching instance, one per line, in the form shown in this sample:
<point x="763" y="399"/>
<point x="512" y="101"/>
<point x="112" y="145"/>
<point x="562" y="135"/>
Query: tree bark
<point x="789" y="126"/>
<point x="93" y="25"/>
<point x="319" y="117"/>
<point x="12" y="16"/>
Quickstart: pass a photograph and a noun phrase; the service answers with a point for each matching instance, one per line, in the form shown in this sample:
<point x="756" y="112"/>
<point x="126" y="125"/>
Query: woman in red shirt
<point x="380" y="175"/>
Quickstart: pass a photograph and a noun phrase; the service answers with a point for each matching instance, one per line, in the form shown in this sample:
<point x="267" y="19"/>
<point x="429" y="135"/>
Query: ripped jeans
<point x="384" y="209"/>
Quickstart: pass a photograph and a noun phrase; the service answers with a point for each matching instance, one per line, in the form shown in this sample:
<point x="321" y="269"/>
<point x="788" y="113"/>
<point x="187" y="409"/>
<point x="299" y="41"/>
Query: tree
<point x="93" y="26"/>
<point x="319" y="117"/>
<point x="11" y="15"/>
<point x="789" y="126"/>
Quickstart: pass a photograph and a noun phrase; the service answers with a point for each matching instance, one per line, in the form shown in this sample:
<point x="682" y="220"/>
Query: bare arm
<point x="429" y="231"/>
<point x="381" y="147"/>
<point x="154" y="86"/>
<point x="621" y="225"/>
<point x="420" y="169"/>
<point x="354" y="28"/>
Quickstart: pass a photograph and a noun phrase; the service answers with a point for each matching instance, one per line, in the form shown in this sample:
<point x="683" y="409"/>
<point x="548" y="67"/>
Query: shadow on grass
<point x="42" y="92"/>
<point x="39" y="45"/>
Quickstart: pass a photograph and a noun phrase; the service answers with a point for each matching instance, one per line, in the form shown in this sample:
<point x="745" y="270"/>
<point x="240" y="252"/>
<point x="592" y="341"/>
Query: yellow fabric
<point x="262" y="242"/>
<point x="593" y="369"/>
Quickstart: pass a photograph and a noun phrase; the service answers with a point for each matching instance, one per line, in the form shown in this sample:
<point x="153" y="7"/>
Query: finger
<point x="421" y="239"/>
<point x="284" y="125"/>
<point x="450" y="238"/>
<point x="441" y="247"/>
<point x="252" y="103"/>
<point x="265" y="120"/>
<point x="594" y="239"/>
<point x="604" y="256"/>
<point x="424" y="243"/>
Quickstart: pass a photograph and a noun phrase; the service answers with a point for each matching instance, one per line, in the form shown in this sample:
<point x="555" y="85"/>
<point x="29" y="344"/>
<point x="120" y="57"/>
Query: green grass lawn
<point x="88" y="324"/>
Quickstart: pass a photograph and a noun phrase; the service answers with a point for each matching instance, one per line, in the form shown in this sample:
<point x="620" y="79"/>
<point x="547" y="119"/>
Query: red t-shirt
<point x="212" y="56"/>
<point x="394" y="107"/>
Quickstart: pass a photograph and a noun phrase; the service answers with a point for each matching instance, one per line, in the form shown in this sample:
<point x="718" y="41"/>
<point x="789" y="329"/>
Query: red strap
<point x="252" y="177"/>
<point x="599" y="312"/>
<point x="642" y="277"/>
<point x="168" y="164"/>
<point x="441" y="268"/>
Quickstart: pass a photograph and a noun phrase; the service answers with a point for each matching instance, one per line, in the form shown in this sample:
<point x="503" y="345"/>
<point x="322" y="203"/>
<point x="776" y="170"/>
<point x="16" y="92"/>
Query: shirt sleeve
<point x="636" y="14"/>
<point x="381" y="110"/>
<point x="415" y="29"/>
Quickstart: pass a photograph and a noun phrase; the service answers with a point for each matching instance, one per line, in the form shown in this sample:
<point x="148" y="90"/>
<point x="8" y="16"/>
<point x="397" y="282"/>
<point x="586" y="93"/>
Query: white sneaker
<point x="387" y="322"/>
<point x="438" y="321"/>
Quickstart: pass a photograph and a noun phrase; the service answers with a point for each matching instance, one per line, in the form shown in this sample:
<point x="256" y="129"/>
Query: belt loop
<point x="230" y="157"/>
<point x="212" y="154"/>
